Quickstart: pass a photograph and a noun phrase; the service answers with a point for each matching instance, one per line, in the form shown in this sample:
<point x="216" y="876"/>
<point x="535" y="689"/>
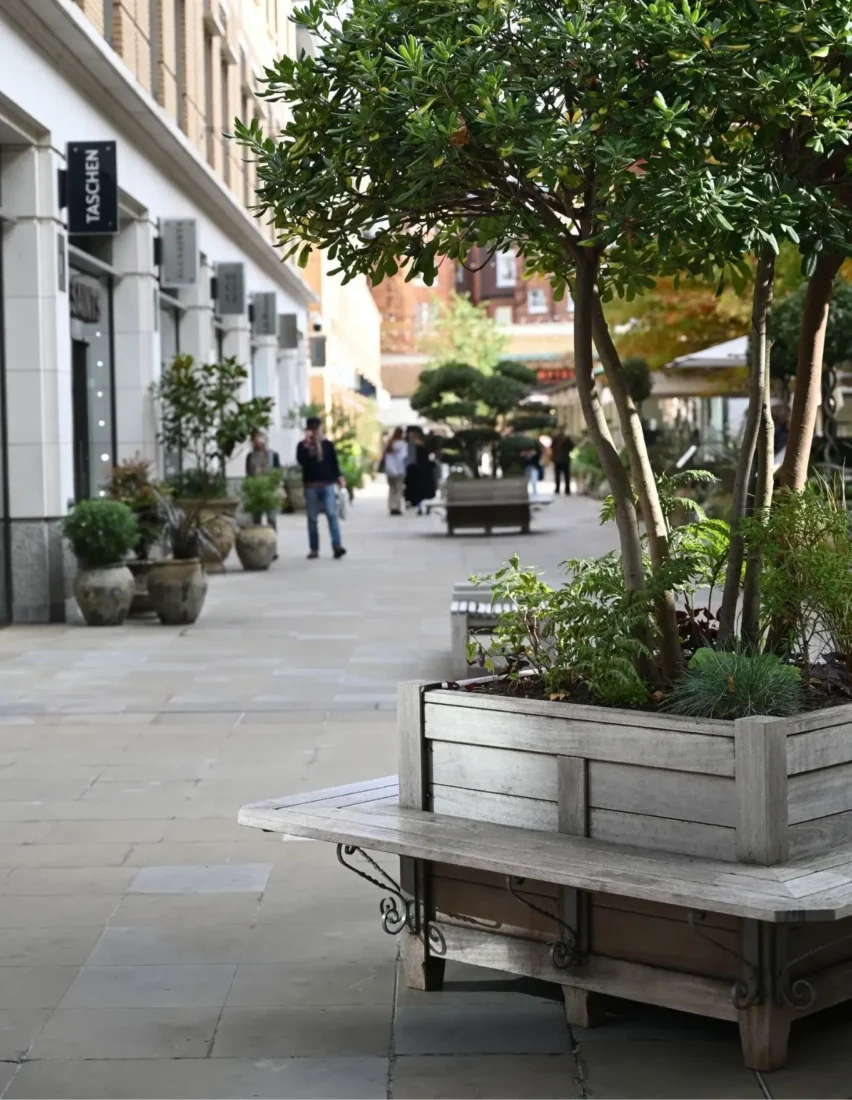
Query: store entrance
<point x="80" y="415"/>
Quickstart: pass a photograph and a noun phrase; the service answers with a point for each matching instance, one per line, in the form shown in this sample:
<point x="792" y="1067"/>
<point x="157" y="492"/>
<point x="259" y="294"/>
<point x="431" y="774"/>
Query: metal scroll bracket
<point x="748" y="990"/>
<point x="396" y="909"/>
<point x="565" y="953"/>
<point x="797" y="992"/>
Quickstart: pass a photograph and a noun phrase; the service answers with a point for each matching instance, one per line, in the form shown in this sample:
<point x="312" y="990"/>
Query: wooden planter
<point x="759" y="791"/>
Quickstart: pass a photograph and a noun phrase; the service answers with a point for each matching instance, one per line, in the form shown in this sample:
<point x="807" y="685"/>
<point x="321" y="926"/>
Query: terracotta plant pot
<point x="104" y="595"/>
<point x="256" y="546"/>
<point x="219" y="519"/>
<point x="177" y="588"/>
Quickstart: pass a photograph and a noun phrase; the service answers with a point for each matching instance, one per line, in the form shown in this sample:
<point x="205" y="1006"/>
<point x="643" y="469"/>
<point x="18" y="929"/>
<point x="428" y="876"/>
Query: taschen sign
<point x="92" y="187"/>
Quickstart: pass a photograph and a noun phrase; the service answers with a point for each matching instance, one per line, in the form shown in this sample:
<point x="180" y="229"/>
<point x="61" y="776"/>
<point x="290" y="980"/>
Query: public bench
<point x="486" y="503"/>
<point x="514" y="882"/>
<point x="472" y="612"/>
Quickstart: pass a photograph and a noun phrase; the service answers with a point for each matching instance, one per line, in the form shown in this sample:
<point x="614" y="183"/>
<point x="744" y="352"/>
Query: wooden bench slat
<point x="703" y="884"/>
<point x="351" y="794"/>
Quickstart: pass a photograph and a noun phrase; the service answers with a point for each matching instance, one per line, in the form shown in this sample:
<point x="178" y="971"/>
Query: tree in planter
<point x="474" y="406"/>
<point x="204" y="420"/>
<point x="424" y="130"/>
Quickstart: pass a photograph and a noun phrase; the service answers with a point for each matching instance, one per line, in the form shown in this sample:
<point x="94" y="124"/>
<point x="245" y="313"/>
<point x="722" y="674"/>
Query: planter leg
<point x="583" y="1008"/>
<point x="764" y="1031"/>
<point x="422" y="970"/>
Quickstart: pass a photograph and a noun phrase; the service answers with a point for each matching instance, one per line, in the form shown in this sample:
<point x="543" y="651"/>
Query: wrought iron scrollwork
<point x="798" y="992"/>
<point x="829" y="414"/>
<point x="565" y="952"/>
<point x="745" y="991"/>
<point x="396" y="909"/>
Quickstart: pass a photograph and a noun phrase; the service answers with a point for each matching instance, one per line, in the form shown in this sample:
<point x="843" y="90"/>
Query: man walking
<point x="321" y="475"/>
<point x="561" y="449"/>
<point x="259" y="462"/>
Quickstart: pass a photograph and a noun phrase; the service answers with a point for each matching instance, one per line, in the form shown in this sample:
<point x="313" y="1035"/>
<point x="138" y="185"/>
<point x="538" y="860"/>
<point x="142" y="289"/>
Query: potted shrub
<point x="204" y="420"/>
<point x="131" y="484"/>
<point x="101" y="532"/>
<point x="257" y="544"/>
<point x="177" y="586"/>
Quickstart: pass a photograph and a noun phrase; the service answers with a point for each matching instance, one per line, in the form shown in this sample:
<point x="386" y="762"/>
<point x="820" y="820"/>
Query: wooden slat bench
<point x="486" y="503"/>
<point x="775" y="934"/>
<point x="472" y="611"/>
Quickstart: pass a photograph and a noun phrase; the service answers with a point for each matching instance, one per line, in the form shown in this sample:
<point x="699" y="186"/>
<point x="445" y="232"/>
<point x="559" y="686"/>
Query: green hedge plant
<point x="261" y="495"/>
<point x="101" y="532"/>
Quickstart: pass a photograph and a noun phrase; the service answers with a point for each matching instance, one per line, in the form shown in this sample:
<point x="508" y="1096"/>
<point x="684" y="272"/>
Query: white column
<point x="137" y="340"/>
<point x="236" y="342"/>
<point x="265" y="384"/>
<point x="196" y="326"/>
<point x="38" y="380"/>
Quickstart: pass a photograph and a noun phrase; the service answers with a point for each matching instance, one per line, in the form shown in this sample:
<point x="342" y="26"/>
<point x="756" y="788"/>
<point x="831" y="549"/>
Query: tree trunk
<point x="806" y="395"/>
<point x="616" y="475"/>
<point x="750" y="626"/>
<point x="759" y="369"/>
<point x="646" y="489"/>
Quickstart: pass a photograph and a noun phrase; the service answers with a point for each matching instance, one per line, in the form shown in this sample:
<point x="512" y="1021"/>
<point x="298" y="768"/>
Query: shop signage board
<point x="288" y="330"/>
<point x="179" y="255"/>
<point x="265" y="315"/>
<point x="92" y="187"/>
<point x="231" y="288"/>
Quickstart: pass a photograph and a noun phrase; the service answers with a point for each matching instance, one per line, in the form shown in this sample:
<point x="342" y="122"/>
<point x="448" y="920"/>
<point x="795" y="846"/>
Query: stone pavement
<point x="151" y="948"/>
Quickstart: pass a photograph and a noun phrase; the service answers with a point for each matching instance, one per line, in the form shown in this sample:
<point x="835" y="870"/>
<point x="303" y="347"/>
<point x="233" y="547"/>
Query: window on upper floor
<point x="536" y="300"/>
<point x="503" y="315"/>
<point x="506" y="268"/>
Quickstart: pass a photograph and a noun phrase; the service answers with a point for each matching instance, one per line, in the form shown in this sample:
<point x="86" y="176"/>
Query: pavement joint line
<point x="764" y="1088"/>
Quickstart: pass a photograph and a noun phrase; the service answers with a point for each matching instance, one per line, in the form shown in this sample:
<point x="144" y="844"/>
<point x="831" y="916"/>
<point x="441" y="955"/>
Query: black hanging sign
<point x="92" y="187"/>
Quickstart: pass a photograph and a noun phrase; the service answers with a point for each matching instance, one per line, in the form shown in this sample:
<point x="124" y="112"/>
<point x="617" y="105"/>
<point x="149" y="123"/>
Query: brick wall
<point x="406" y="308"/>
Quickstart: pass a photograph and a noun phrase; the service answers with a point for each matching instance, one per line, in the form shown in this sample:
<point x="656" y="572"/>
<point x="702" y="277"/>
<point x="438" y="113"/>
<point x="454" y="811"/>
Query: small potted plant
<point x="131" y="484"/>
<point x="101" y="532"/>
<point x="178" y="586"/>
<point x="257" y="544"/>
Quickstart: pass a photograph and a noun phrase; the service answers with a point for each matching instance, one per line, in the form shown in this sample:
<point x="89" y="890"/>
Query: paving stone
<point x="19" y="1028"/>
<point x="189" y="911"/>
<point x="122" y="945"/>
<point x="245" y="878"/>
<point x="71" y="880"/>
<point x="485" y="1027"/>
<point x="73" y="1033"/>
<point x="666" y="1071"/>
<point x="150" y="986"/>
<point x="34" y="986"/>
<point x="820" y="1058"/>
<point x="315" y="981"/>
<point x="200" y="1079"/>
<point x="493" y="1077"/>
<point x="310" y="1031"/>
<point x="46" y="946"/>
<point x="66" y="911"/>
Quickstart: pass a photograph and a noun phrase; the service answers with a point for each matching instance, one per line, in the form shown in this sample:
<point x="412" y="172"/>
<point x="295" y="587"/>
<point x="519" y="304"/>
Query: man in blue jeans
<point x="321" y="475"/>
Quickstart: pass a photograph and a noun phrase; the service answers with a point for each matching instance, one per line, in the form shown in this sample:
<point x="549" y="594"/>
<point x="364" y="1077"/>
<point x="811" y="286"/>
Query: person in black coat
<point x="321" y="476"/>
<point x="420" y="471"/>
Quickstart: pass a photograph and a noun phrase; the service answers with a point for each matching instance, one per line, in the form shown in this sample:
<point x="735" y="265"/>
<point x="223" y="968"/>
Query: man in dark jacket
<point x="321" y="475"/>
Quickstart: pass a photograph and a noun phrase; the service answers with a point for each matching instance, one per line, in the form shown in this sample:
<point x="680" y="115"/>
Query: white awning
<point x="733" y="353"/>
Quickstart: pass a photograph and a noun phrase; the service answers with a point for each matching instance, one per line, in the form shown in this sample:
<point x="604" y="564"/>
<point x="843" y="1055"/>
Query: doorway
<point x="80" y="418"/>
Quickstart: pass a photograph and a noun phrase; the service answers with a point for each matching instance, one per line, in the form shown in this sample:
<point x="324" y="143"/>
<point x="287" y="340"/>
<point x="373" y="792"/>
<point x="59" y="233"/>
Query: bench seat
<point x="813" y="892"/>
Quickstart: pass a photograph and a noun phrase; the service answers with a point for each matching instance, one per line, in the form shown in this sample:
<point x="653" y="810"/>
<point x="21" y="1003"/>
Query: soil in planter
<point x="830" y="686"/>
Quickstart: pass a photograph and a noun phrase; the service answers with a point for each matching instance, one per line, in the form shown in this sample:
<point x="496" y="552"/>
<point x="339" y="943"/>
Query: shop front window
<point x="92" y="392"/>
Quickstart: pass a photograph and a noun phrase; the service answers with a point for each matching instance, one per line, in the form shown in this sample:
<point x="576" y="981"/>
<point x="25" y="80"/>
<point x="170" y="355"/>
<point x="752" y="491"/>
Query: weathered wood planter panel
<point x="758" y="791"/>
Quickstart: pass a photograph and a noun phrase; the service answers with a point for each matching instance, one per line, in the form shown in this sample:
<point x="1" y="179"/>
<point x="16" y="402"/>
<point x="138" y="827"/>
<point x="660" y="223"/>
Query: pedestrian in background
<point x="321" y="476"/>
<point x="260" y="461"/>
<point x="561" y="449"/>
<point x="419" y="471"/>
<point x="532" y="467"/>
<point x="396" y="463"/>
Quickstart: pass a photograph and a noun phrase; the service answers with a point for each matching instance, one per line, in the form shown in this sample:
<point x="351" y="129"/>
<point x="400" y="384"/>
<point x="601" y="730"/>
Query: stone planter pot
<point x="219" y="519"/>
<point x="141" y="603"/>
<point x="104" y="595"/>
<point x="177" y="589"/>
<point x="256" y="546"/>
<point x="755" y="791"/>
<point x="295" y="489"/>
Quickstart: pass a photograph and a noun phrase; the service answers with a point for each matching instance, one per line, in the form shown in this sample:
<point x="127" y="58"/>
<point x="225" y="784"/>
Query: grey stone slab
<point x="24" y="987"/>
<point x="186" y="911"/>
<point x="19" y="1029"/>
<point x="201" y="1079"/>
<point x="82" y="1033"/>
<point x="310" y="1031"/>
<point x="150" y="986"/>
<point x="66" y="911"/>
<point x="55" y="881"/>
<point x="320" y="981"/>
<point x="666" y="1071"/>
<point x="497" y="1077"/>
<point x="122" y="945"/>
<point x="511" y="1026"/>
<point x="46" y="946"/>
<point x="235" y="878"/>
<point x="631" y="1021"/>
